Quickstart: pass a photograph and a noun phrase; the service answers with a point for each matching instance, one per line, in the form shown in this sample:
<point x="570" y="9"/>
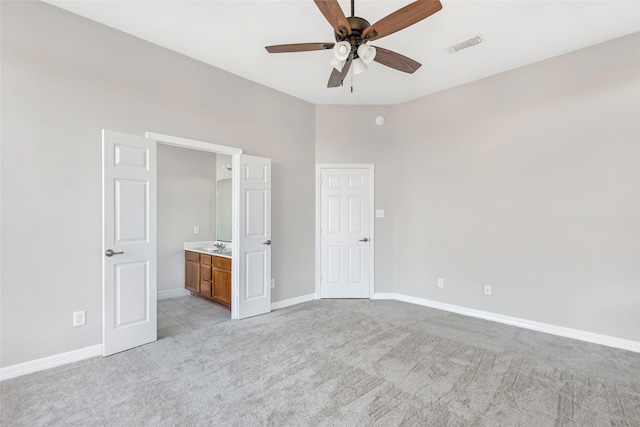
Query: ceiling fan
<point x="353" y="33"/>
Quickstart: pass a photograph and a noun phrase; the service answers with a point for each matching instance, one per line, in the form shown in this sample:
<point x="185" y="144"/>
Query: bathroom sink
<point x="216" y="251"/>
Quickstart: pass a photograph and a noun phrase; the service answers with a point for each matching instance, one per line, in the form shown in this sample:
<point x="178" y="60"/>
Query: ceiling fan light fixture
<point x="359" y="66"/>
<point x="366" y="53"/>
<point x="341" y="50"/>
<point x="337" y="64"/>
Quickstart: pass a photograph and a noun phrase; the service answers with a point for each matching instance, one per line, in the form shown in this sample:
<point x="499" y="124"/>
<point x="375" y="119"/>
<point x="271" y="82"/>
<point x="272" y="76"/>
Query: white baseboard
<point x="49" y="362"/>
<point x="96" y="350"/>
<point x="522" y="323"/>
<point x="293" y="301"/>
<point x="173" y="293"/>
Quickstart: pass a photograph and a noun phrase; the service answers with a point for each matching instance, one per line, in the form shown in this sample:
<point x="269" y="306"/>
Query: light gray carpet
<point x="339" y="362"/>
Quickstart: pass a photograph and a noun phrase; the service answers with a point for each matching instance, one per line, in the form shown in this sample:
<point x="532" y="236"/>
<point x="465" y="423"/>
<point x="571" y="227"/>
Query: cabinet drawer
<point x="205" y="259"/>
<point x="221" y="263"/>
<point x="205" y="272"/>
<point x="192" y="256"/>
<point x="205" y="288"/>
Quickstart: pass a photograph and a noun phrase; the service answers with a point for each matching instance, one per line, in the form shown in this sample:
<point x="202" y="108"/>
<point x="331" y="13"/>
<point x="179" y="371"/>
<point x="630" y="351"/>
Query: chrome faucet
<point x="219" y="246"/>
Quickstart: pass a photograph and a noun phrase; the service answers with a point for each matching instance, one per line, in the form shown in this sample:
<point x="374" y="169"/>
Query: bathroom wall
<point x="222" y="172"/>
<point x="186" y="198"/>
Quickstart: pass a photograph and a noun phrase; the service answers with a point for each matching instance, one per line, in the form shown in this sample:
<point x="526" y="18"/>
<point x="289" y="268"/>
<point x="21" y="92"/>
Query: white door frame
<point x="370" y="167"/>
<point x="235" y="200"/>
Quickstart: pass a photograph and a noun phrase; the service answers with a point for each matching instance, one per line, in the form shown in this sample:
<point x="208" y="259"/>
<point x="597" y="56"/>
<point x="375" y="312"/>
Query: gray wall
<point x="528" y="181"/>
<point x="64" y="78"/>
<point x="346" y="134"/>
<point x="186" y="198"/>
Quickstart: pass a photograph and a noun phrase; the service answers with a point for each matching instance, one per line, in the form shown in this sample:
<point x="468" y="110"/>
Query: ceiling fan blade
<point x="395" y="60"/>
<point x="337" y="77"/>
<point x="298" y="47"/>
<point x="402" y="18"/>
<point x="334" y="14"/>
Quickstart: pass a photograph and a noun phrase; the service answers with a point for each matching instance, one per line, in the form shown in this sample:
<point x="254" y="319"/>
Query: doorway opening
<point x="194" y="224"/>
<point x="129" y="235"/>
<point x="229" y="169"/>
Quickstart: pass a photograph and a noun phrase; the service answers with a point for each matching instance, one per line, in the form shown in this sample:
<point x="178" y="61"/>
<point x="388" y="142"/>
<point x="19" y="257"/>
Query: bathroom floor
<point x="182" y="314"/>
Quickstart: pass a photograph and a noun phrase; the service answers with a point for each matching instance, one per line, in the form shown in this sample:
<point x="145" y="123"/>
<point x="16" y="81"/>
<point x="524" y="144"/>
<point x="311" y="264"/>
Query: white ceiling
<point x="231" y="35"/>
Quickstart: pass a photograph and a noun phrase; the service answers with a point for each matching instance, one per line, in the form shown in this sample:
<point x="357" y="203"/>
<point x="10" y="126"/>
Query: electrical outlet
<point x="196" y="230"/>
<point x="79" y="318"/>
<point x="273" y="283"/>
<point x="487" y="290"/>
<point x="440" y="282"/>
<point x="379" y="213"/>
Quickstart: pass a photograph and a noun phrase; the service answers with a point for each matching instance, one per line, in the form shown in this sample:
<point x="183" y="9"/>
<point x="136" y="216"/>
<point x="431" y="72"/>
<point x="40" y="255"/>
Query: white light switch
<point x="379" y="213"/>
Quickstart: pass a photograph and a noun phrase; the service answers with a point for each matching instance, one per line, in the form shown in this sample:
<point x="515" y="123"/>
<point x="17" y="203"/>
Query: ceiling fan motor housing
<point x="358" y="25"/>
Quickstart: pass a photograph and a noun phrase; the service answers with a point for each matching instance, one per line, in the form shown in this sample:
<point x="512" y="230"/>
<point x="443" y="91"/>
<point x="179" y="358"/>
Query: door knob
<point x="268" y="242"/>
<point x="110" y="252"/>
<point x="364" y="240"/>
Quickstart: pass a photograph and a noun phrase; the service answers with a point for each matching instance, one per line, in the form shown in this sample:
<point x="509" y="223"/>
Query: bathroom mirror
<point x="223" y="210"/>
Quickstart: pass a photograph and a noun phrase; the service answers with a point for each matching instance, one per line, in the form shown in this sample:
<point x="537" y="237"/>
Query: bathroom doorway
<point x="129" y="242"/>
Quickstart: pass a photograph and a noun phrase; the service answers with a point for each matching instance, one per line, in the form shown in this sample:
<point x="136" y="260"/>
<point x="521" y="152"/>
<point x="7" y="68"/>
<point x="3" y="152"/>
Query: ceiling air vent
<point x="465" y="43"/>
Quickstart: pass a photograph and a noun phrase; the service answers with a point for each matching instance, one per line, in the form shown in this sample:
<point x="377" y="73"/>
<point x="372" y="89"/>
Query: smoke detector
<point x="465" y="43"/>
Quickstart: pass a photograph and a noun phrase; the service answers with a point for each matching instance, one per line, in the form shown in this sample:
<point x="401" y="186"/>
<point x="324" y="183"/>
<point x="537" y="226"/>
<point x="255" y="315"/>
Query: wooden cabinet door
<point x="192" y="275"/>
<point x="205" y="289"/>
<point x="222" y="287"/>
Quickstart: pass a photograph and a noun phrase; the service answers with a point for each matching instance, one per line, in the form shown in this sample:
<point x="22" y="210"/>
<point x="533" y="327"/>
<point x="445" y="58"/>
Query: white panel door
<point x="254" y="295"/>
<point x="129" y="241"/>
<point x="345" y="231"/>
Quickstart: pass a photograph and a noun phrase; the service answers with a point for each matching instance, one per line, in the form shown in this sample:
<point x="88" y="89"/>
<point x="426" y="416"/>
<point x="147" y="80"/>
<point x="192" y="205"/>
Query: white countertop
<point x="207" y="247"/>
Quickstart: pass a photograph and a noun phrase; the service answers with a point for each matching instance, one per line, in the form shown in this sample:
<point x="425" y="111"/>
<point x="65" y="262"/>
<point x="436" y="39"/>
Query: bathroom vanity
<point x="207" y="273"/>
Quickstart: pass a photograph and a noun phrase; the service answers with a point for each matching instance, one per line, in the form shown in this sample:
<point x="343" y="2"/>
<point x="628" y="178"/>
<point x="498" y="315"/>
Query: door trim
<point x="235" y="193"/>
<point x="370" y="167"/>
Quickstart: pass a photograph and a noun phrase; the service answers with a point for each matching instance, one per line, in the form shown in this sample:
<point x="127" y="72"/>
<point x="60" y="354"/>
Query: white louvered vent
<point x="465" y="43"/>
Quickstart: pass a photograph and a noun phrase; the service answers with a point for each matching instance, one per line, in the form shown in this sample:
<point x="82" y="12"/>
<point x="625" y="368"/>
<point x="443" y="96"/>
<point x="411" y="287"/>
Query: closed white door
<point x="345" y="233"/>
<point x="129" y="241"/>
<point x="254" y="295"/>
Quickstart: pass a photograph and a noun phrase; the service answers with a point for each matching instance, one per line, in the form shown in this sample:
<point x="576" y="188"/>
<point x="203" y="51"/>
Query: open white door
<point x="254" y="244"/>
<point x="129" y="241"/>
